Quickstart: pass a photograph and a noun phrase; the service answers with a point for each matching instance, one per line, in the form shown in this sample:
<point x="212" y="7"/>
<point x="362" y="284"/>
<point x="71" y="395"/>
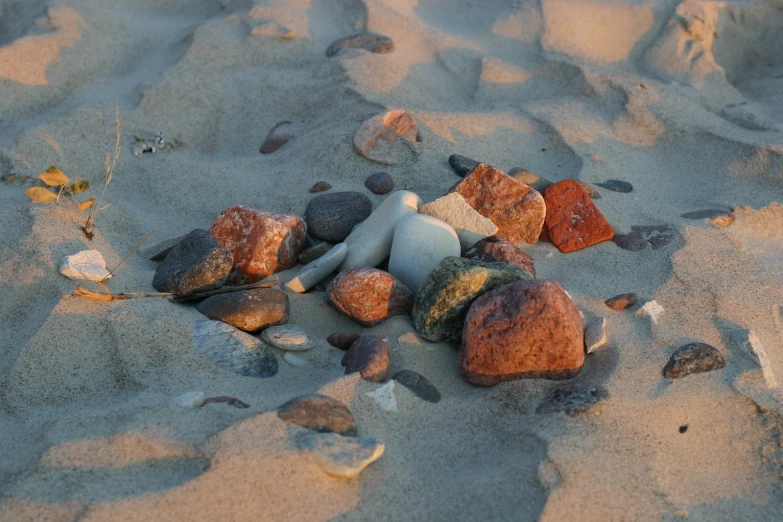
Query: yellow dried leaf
<point x="87" y="203"/>
<point x="54" y="177"/>
<point x="40" y="195"/>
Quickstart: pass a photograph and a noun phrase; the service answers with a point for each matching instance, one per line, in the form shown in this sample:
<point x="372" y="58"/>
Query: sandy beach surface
<point x="682" y="99"/>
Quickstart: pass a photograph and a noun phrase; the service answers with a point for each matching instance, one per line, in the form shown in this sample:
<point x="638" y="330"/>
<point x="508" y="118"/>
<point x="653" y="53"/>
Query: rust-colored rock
<point x="493" y="250"/>
<point x="516" y="209"/>
<point x="522" y="330"/>
<point x="369" y="296"/>
<point x="262" y="243"/>
<point x="572" y="219"/>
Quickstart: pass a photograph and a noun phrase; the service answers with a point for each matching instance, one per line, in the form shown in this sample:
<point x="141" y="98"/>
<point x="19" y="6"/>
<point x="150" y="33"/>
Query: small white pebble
<point x="652" y="309"/>
<point x="384" y="396"/>
<point x="193" y="399"/>
<point x="550" y="254"/>
<point x="595" y="335"/>
<point x="87" y="264"/>
<point x="294" y="360"/>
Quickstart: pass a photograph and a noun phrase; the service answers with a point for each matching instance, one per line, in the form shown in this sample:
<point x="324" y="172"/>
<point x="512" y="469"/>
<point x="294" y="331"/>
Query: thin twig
<point x="129" y="254"/>
<point x="80" y="291"/>
<point x="109" y="172"/>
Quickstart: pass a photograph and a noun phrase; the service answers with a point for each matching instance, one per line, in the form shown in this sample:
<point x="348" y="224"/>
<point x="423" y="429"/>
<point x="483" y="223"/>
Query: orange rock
<point x="369" y="296"/>
<point x="516" y="209"/>
<point x="262" y="243"/>
<point x="572" y="219"/>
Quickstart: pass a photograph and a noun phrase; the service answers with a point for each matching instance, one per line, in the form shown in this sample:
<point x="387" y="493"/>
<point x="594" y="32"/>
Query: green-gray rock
<point x="442" y="303"/>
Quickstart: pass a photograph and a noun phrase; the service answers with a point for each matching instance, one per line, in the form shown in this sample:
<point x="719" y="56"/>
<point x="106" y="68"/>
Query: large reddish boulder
<point x="369" y="296"/>
<point x="262" y="243"/>
<point x="522" y="330"/>
<point x="572" y="219"/>
<point x="494" y="250"/>
<point x="516" y="209"/>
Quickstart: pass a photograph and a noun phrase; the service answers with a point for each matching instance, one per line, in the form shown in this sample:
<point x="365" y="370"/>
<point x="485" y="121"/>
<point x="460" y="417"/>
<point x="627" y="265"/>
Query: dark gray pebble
<point x="693" y="358"/>
<point x="342" y="340"/>
<point x="319" y="413"/>
<point x="462" y="165"/>
<point x="419" y="385"/>
<point x="379" y="183"/>
<point x="369" y="355"/>
<point x="375" y="43"/>
<point x="331" y="217"/>
<point x="615" y="185"/>
<point x="197" y="263"/>
<point x="702" y="214"/>
<point x="574" y="401"/>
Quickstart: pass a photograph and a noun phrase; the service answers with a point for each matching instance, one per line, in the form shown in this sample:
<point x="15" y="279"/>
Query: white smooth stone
<point x="313" y="273"/>
<point x="420" y="244"/>
<point x="652" y="309"/>
<point x="342" y="456"/>
<point x="384" y="396"/>
<point x="87" y="264"/>
<point x="193" y="399"/>
<point x="288" y="337"/>
<point x="595" y="335"/>
<point x="470" y="226"/>
<point x="370" y="241"/>
<point x="294" y="360"/>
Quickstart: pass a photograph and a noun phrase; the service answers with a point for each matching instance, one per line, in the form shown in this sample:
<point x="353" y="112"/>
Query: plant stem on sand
<point x="87" y="228"/>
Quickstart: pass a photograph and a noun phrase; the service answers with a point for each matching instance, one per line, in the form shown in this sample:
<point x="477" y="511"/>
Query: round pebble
<point x="331" y="217"/>
<point x="379" y="183"/>
<point x="288" y="337"/>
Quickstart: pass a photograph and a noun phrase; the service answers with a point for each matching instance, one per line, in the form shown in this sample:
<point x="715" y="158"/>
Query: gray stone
<point x="248" y="310"/>
<point x="369" y="356"/>
<point x="197" y="263"/>
<point x="233" y="349"/>
<point x="616" y="185"/>
<point x="288" y="337"/>
<point x="420" y="244"/>
<point x="319" y="413"/>
<point x="419" y="385"/>
<point x="160" y="250"/>
<point x="379" y="183"/>
<point x="470" y="226"/>
<point x="316" y="271"/>
<point x="576" y="401"/>
<point x="462" y="165"/>
<point x="341" y="456"/>
<point x="375" y="43"/>
<point x="331" y="217"/>
<point x="693" y="358"/>
<point x="370" y="242"/>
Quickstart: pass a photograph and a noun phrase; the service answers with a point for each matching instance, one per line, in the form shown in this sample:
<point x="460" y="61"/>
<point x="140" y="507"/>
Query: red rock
<point x="369" y="296"/>
<point x="572" y="219"/>
<point x="262" y="243"/>
<point x="516" y="209"/>
<point x="522" y="330"/>
<point x="493" y="250"/>
<point x="342" y="340"/>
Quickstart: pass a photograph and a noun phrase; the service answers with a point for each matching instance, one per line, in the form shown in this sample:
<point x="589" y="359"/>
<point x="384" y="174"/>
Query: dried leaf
<point x="41" y="195"/>
<point x="87" y="204"/>
<point x="79" y="186"/>
<point x="54" y="177"/>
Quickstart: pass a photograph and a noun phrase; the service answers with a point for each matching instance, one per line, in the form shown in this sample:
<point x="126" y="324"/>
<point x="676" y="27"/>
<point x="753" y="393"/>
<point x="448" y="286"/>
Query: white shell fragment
<point x="87" y="264"/>
<point x="384" y="396"/>
<point x="751" y="345"/>
<point x="652" y="309"/>
<point x="194" y="399"/>
<point x="595" y="335"/>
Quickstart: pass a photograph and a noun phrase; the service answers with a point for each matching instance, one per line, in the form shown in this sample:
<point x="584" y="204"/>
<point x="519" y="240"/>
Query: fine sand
<point x="682" y="99"/>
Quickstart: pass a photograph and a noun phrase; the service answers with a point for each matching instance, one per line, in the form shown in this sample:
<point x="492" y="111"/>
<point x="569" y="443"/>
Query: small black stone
<point x="379" y="183"/>
<point x="693" y="358"/>
<point x="197" y="263"/>
<point x="462" y="165"/>
<point x="708" y="213"/>
<point x="419" y="385"/>
<point x="683" y="428"/>
<point x="376" y="43"/>
<point x="574" y="400"/>
<point x="319" y="413"/>
<point x="320" y="186"/>
<point x="369" y="355"/>
<point x="615" y="185"/>
<point x="331" y="217"/>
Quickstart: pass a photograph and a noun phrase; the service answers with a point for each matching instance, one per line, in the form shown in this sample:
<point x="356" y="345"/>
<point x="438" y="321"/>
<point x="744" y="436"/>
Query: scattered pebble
<point x="320" y="186"/>
<point x="316" y="271"/>
<point x="493" y="250"/>
<point x="313" y="253"/>
<point x="470" y="226"/>
<point x="420" y="243"/>
<point x="723" y="220"/>
<point x="275" y="139"/>
<point x="192" y="399"/>
<point x="693" y="358"/>
<point x="231" y="401"/>
<point x="419" y="385"/>
<point x="702" y="214"/>
<point x="384" y="396"/>
<point x="331" y="217"/>
<point x="369" y="296"/>
<point x="379" y="183"/>
<point x="576" y="401"/>
<point x="615" y="185"/>
<point x="295" y="360"/>
<point x="375" y="43"/>
<point x="319" y="413"/>
<point x="752" y="346"/>
<point x="462" y="165"/>
<point x="517" y="210"/>
<point x="573" y="221"/>
<point x="288" y="337"/>
<point x="159" y="251"/>
<point x="522" y="330"/>
<point x="595" y="335"/>
<point x="248" y="310"/>
<point x="262" y="243"/>
<point x="442" y="303"/>
<point x="340" y="456"/>
<point x="378" y="139"/>
<point x="87" y="264"/>
<point x="621" y="302"/>
<point x="369" y="356"/>
<point x="370" y="242"/>
<point x="197" y="263"/>
<point x="234" y="350"/>
<point x="651" y="309"/>
<point x="341" y="340"/>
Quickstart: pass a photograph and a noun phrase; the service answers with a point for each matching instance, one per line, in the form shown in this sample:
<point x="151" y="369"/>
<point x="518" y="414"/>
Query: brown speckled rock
<point x="522" y="330"/>
<point x="369" y="296"/>
<point x="572" y="219"/>
<point x="621" y="302"/>
<point x="248" y="310"/>
<point x="262" y="243"/>
<point x="369" y="356"/>
<point x="493" y="250"/>
<point x="516" y="209"/>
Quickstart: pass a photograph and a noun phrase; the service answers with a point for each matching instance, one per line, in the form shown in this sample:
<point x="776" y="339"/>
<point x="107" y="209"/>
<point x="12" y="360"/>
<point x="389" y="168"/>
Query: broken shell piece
<point x="87" y="264"/>
<point x="595" y="335"/>
<point x="378" y="139"/>
<point x="751" y="345"/>
<point x="384" y="396"/>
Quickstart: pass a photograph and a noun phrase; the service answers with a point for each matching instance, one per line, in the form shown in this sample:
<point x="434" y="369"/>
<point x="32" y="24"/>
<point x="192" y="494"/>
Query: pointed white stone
<point x="87" y="264"/>
<point x="751" y="345"/>
<point x="595" y="335"/>
<point x="651" y="309"/>
<point x="384" y="396"/>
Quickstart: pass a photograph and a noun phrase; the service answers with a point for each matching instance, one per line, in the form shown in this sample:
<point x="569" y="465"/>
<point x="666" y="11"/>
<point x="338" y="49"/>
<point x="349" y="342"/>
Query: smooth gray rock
<point x="320" y="413"/>
<point x="197" y="263"/>
<point x="316" y="271"/>
<point x="470" y="226"/>
<point x="379" y="183"/>
<point x="331" y="217"/>
<point x="462" y="165"/>
<point x="160" y="250"/>
<point x="233" y="349"/>
<point x="341" y="456"/>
